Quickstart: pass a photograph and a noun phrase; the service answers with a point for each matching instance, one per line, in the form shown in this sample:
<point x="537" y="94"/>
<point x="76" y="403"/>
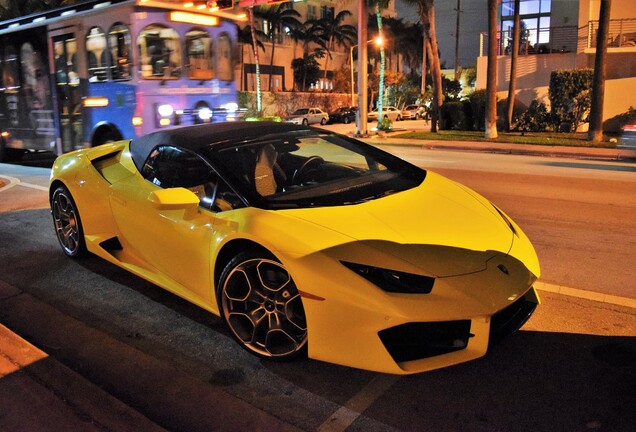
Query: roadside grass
<point x="577" y="139"/>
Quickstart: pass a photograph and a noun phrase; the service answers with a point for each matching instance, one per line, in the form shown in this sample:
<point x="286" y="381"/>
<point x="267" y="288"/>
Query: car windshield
<point x="301" y="111"/>
<point x="412" y="107"/>
<point x="311" y="169"/>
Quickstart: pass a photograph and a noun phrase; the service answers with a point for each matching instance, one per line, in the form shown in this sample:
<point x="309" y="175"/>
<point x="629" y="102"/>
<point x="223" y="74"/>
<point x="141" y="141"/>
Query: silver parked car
<point x="388" y="112"/>
<point x="306" y="116"/>
<point x="413" y="112"/>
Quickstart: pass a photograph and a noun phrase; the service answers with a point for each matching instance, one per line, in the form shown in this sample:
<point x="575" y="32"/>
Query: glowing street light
<point x="379" y="42"/>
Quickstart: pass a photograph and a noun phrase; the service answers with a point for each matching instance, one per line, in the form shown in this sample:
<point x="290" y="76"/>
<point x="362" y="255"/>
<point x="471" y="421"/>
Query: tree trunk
<point x="378" y="15"/>
<point x="595" y="133"/>
<point x="512" y="86"/>
<point x="259" y="97"/>
<point x="436" y="71"/>
<point x="491" y="81"/>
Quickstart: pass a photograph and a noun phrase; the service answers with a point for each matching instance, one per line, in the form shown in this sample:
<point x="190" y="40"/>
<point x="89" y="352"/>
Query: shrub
<point x="570" y="98"/>
<point x="453" y="116"/>
<point x="477" y="102"/>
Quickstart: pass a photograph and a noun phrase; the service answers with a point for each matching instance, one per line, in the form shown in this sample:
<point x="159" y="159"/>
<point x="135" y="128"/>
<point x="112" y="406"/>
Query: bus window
<point x="97" y="55"/>
<point x="198" y="48"/>
<point x="10" y="77"/>
<point x="160" y="52"/>
<point x="11" y="83"/>
<point x="119" y="43"/>
<point x="224" y="66"/>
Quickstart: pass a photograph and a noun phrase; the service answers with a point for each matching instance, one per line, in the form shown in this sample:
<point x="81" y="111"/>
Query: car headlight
<point x="393" y="281"/>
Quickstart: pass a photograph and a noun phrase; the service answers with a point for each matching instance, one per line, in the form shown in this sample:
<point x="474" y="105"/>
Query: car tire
<point x="346" y="120"/>
<point x="67" y="223"/>
<point x="262" y="307"/>
<point x="323" y="121"/>
<point x="305" y="122"/>
<point x="417" y="116"/>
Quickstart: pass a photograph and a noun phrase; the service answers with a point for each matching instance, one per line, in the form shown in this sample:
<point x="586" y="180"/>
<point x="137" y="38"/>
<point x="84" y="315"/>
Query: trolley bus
<point x="99" y="71"/>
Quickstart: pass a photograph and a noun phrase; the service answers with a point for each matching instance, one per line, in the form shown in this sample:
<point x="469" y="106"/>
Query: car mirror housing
<point x="174" y="199"/>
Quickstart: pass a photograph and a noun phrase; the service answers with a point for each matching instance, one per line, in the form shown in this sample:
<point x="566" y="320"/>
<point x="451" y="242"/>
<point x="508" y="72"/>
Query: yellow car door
<point x="163" y="219"/>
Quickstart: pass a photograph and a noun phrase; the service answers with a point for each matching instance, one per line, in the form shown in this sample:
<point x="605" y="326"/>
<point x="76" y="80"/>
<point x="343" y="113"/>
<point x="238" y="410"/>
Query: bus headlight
<point x="205" y="114"/>
<point x="230" y="107"/>
<point x="165" y="110"/>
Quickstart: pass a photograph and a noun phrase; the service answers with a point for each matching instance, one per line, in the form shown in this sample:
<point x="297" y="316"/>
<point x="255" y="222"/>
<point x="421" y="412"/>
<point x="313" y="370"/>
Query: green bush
<point x="570" y="98"/>
<point x="477" y="101"/>
<point x="453" y="116"/>
<point x="535" y="119"/>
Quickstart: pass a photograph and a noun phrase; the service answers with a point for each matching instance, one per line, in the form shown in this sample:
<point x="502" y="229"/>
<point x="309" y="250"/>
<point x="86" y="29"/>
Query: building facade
<point x="561" y="34"/>
<point x="286" y="48"/>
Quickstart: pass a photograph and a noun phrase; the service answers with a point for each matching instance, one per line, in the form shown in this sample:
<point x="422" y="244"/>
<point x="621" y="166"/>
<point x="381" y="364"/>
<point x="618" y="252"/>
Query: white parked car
<point x="388" y="112"/>
<point x="307" y="116"/>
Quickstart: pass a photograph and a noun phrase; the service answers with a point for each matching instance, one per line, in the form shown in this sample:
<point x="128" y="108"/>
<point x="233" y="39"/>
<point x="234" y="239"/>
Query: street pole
<point x="457" y="43"/>
<point x="353" y="102"/>
<point x="361" y="117"/>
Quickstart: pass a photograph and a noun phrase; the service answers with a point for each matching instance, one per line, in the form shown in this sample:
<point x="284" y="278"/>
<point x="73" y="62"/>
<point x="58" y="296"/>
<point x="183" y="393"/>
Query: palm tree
<point x="18" y="8"/>
<point x="334" y="32"/>
<point x="595" y="133"/>
<point x="259" y="95"/>
<point x="491" y="80"/>
<point x="278" y="18"/>
<point x="426" y="11"/>
<point x="516" y="37"/>
<point x="378" y="14"/>
<point x="245" y="38"/>
<point x="307" y="33"/>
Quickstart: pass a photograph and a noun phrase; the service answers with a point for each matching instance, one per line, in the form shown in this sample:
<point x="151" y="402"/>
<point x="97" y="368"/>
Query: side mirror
<point x="174" y="199"/>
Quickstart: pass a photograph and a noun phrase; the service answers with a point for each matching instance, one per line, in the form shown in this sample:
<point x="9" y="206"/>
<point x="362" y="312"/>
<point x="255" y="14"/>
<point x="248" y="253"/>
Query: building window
<point x="535" y="24"/>
<point x="327" y="12"/>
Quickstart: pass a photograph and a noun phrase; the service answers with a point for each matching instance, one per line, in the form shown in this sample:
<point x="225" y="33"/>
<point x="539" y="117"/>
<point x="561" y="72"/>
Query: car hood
<point x="439" y="215"/>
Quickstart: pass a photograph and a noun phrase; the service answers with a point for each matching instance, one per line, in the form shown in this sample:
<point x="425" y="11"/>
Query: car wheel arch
<point x="229" y="250"/>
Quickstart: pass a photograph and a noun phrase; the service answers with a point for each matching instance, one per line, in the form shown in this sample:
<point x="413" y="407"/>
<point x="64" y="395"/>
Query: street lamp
<point x="378" y="41"/>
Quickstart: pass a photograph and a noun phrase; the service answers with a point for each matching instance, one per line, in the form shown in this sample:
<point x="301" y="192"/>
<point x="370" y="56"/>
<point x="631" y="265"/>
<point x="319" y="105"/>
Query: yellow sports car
<point x="304" y="241"/>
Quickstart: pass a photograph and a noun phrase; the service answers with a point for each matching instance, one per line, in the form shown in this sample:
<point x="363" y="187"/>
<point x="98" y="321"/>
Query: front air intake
<point x="414" y="341"/>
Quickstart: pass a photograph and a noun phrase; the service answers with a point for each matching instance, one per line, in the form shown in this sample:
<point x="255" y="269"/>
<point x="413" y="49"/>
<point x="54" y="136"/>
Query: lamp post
<point x="378" y="42"/>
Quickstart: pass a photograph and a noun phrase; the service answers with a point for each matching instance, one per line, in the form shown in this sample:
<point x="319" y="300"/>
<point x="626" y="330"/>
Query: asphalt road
<point x="572" y="367"/>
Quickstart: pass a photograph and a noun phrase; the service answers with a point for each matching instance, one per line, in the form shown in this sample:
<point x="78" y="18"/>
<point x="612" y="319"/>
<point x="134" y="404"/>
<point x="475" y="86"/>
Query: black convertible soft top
<point x="196" y="137"/>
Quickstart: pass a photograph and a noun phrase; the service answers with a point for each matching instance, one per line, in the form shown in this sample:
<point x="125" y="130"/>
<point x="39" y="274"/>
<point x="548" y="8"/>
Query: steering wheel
<point x="311" y="162"/>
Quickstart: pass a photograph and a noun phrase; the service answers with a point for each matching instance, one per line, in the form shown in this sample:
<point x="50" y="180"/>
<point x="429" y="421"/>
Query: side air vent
<point x="111" y="245"/>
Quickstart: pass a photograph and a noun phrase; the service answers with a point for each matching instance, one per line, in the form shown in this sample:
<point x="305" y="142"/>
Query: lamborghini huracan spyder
<point x="305" y="242"/>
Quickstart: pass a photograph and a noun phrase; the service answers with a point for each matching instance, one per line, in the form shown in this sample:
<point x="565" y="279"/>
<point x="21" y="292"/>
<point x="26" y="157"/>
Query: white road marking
<point x="584" y="294"/>
<point x="14" y="181"/>
<point x="354" y="407"/>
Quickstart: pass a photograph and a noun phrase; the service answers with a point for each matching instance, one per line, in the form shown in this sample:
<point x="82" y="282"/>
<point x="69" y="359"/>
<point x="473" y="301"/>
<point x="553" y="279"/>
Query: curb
<point x="588" y="295"/>
<point x="616" y="154"/>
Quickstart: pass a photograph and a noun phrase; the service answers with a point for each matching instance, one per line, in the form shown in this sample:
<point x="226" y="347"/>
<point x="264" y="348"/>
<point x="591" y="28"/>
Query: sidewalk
<point x="618" y="154"/>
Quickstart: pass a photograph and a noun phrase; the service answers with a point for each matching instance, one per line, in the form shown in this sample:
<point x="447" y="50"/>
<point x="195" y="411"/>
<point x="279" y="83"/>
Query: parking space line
<point x="354" y="407"/>
<point x="14" y="181"/>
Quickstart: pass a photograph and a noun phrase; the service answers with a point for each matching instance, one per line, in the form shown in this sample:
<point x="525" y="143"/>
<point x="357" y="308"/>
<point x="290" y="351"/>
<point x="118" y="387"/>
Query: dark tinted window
<point x="170" y="167"/>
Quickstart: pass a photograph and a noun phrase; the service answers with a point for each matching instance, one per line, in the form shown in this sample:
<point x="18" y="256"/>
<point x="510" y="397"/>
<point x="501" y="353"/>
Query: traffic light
<point x="221" y="4"/>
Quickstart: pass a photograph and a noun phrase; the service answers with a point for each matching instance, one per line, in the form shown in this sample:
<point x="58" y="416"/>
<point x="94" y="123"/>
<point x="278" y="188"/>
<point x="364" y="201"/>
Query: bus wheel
<point x="105" y="136"/>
